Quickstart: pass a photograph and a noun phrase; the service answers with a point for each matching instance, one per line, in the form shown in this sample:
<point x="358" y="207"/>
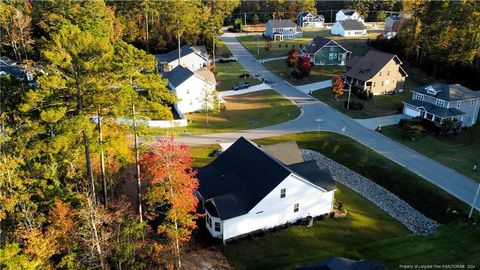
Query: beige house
<point x="377" y="72"/>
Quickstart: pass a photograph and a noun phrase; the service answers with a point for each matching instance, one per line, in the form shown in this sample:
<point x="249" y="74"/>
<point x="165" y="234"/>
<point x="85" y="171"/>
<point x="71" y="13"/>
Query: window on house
<point x="330" y="56"/>
<point x="383" y="82"/>
<point x="419" y="96"/>
<point x="380" y="74"/>
<point x="458" y="104"/>
<point x="217" y="226"/>
<point x="283" y="192"/>
<point x="440" y="103"/>
<point x="373" y="84"/>
<point x="209" y="221"/>
<point x="472" y="103"/>
<point x="388" y="73"/>
<point x="296" y="207"/>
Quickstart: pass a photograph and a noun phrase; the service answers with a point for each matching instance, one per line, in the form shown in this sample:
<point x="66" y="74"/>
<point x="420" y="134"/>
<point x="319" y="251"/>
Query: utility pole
<point x="349" y="93"/>
<point x="245" y="18"/>
<point x="102" y="159"/>
<point x="474" y="202"/>
<point x="137" y="164"/>
<point x="178" y="40"/>
<point x="213" y="52"/>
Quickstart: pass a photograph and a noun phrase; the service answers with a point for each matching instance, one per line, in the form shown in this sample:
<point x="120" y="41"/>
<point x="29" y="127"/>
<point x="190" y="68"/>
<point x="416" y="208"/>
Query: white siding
<point x="190" y="92"/>
<point x="337" y="29"/>
<point x="274" y="211"/>
<point x="192" y="61"/>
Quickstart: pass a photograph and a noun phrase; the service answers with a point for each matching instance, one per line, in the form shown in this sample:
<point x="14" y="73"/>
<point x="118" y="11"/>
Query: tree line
<point x="72" y="186"/>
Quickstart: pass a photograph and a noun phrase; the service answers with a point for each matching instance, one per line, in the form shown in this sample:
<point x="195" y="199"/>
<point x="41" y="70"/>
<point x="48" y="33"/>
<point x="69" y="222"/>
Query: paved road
<point x="446" y="178"/>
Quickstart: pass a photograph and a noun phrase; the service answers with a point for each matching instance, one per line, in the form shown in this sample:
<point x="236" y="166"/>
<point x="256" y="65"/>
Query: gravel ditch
<point x="400" y="210"/>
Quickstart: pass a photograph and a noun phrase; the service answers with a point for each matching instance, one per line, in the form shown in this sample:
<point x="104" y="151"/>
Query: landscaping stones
<point x="400" y="210"/>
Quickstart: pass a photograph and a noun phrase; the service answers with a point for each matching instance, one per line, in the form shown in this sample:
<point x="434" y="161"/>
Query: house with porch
<point x="307" y="19"/>
<point x="247" y="189"/>
<point x="193" y="58"/>
<point x="348" y="28"/>
<point x="324" y="51"/>
<point x="376" y="72"/>
<point x="440" y="101"/>
<point x="280" y="30"/>
<point x="348" y="14"/>
<point x="190" y="86"/>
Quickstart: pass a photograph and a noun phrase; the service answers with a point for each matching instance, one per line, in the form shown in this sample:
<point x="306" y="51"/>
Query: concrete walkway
<point x="373" y="123"/>
<point x="306" y="88"/>
<point x="444" y="177"/>
<point x="271" y="59"/>
<point x="250" y="89"/>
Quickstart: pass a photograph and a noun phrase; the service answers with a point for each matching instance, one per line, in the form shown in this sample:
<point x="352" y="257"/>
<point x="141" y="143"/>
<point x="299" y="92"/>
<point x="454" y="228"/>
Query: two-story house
<point x="192" y="58"/>
<point x="190" y="86"/>
<point x="324" y="51"/>
<point x="348" y="14"/>
<point x="307" y="19"/>
<point x="438" y="102"/>
<point x="392" y="23"/>
<point x="246" y="189"/>
<point x="281" y="30"/>
<point x="376" y="72"/>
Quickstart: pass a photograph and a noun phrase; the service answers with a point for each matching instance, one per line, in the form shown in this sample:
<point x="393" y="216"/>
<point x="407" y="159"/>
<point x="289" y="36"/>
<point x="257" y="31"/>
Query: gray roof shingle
<point x="286" y="152"/>
<point x="449" y="92"/>
<point x="173" y="55"/>
<point x="178" y="75"/>
<point x="282" y="23"/>
<point x="348" y="11"/>
<point x="369" y="65"/>
<point x="352" y="25"/>
<point x="311" y="172"/>
<point x="317" y="43"/>
<point x="434" y="109"/>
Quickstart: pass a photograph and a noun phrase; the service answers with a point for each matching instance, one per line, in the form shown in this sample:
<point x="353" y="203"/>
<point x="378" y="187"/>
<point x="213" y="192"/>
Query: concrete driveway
<point x="373" y="123"/>
<point x="250" y="89"/>
<point x="458" y="185"/>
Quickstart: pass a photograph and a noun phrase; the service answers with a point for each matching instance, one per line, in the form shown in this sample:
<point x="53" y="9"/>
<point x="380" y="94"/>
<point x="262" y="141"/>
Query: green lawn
<point x="228" y="74"/>
<point x="319" y="73"/>
<point x="367" y="232"/>
<point x="247" y="111"/>
<point x="357" y="45"/>
<point x="458" y="152"/>
<point x="381" y="105"/>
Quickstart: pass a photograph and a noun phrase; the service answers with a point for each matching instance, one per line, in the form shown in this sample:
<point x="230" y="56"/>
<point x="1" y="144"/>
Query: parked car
<point x="241" y="85"/>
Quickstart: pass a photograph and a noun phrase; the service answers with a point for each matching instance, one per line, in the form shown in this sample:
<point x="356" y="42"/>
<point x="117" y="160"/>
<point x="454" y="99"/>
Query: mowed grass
<point x="318" y="73"/>
<point x="228" y="74"/>
<point x="381" y="105"/>
<point x="366" y="233"/>
<point x="460" y="152"/>
<point x="246" y="111"/>
<point x="357" y="45"/>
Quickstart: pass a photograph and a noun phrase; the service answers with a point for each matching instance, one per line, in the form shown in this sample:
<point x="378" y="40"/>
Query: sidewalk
<point x="250" y="89"/>
<point x="306" y="88"/>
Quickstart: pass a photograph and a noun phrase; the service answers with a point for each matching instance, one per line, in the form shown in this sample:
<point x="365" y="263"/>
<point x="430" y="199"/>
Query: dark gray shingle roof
<point x="286" y="152"/>
<point x="241" y="177"/>
<point x="9" y="67"/>
<point x="369" y="65"/>
<point x="317" y="43"/>
<point x="178" y="75"/>
<point x="348" y="11"/>
<point x="173" y="55"/>
<point x="449" y="92"/>
<point x="339" y="263"/>
<point x="282" y="23"/>
<point x="352" y="25"/>
<point x="311" y="172"/>
<point x="434" y="109"/>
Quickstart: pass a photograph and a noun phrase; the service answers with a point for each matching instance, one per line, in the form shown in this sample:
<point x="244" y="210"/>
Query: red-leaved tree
<point x="292" y="57"/>
<point x="167" y="166"/>
<point x="304" y="66"/>
<point x="337" y="86"/>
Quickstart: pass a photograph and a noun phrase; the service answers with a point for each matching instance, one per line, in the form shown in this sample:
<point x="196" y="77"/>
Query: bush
<point x="244" y="76"/>
<point x="296" y="74"/>
<point x="354" y="105"/>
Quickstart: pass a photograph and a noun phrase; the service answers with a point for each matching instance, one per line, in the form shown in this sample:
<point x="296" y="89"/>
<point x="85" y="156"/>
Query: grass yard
<point x="255" y="44"/>
<point x="367" y="232"/>
<point x="247" y="111"/>
<point x="458" y="152"/>
<point x="319" y="73"/>
<point x="228" y="74"/>
<point x="381" y="105"/>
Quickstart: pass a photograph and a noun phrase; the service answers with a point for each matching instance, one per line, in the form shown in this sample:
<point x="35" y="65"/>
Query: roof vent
<point x="431" y="90"/>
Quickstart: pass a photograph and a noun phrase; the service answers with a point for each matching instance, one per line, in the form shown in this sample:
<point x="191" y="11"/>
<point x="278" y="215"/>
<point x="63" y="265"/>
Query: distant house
<point x="438" y="102"/>
<point x="9" y="67"/>
<point x="339" y="263"/>
<point x="348" y="28"/>
<point x="189" y="86"/>
<point x="348" y="14"/>
<point x="246" y="189"/>
<point x="307" y="19"/>
<point x="324" y="51"/>
<point x="281" y="30"/>
<point x="392" y="24"/>
<point x="193" y="58"/>
<point x="376" y="72"/>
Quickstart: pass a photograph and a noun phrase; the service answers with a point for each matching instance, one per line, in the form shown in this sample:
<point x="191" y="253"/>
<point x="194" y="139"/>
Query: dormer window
<point x="458" y="104"/>
<point x="431" y="90"/>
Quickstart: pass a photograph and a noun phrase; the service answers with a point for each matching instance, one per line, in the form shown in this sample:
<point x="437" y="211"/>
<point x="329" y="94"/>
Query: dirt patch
<point x="205" y="258"/>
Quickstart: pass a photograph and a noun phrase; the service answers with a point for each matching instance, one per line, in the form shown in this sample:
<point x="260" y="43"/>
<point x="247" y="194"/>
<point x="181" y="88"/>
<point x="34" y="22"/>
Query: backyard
<point x="460" y="152"/>
<point x="367" y="232"/>
<point x="246" y="111"/>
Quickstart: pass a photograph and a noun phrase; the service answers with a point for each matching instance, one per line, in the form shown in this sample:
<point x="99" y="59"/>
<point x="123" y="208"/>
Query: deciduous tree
<point x="337" y="87"/>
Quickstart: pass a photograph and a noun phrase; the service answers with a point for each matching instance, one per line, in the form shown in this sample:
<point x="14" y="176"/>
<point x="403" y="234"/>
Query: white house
<point x="348" y="28"/>
<point x="190" y="87"/>
<point x="281" y="29"/>
<point x="192" y="58"/>
<point x="348" y="14"/>
<point x="307" y="19"/>
<point x="247" y="189"/>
